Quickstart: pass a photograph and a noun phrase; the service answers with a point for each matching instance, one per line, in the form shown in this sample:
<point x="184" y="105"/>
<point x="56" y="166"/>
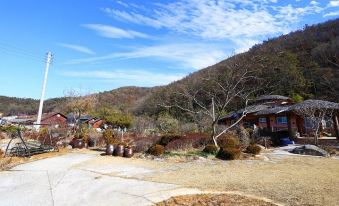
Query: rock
<point x="310" y="150"/>
<point x="69" y="147"/>
<point x="261" y="147"/>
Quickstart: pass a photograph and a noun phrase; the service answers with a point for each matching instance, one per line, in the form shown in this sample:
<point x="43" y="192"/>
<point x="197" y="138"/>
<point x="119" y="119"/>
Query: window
<point x="262" y="120"/>
<point x="281" y="120"/>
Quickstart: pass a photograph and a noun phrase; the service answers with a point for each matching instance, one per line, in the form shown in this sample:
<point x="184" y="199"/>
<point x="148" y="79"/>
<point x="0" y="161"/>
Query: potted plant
<point x="110" y="140"/>
<point x="119" y="150"/>
<point x="78" y="141"/>
<point x="128" y="152"/>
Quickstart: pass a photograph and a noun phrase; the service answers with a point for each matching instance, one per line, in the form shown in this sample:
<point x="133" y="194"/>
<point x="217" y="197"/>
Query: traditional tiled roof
<point x="254" y="108"/>
<point x="274" y="110"/>
<point x="249" y="109"/>
<point x="264" y="109"/>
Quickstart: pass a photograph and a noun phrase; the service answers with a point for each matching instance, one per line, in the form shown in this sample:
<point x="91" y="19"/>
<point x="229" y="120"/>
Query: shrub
<point x="167" y="124"/>
<point x="42" y="135"/>
<point x="243" y="135"/>
<point x="330" y="150"/>
<point x="229" y="153"/>
<point x="156" y="150"/>
<point x="188" y="142"/>
<point x="142" y="143"/>
<point x="9" y="129"/>
<point x="229" y="147"/>
<point x="228" y="140"/>
<point x="109" y="137"/>
<point x="167" y="139"/>
<point x="253" y="149"/>
<point x="211" y="149"/>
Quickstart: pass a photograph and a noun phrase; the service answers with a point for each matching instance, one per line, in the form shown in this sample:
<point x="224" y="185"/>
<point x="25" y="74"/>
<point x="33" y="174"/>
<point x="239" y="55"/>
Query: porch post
<point x="289" y="124"/>
<point x="336" y="125"/>
<point x="268" y="123"/>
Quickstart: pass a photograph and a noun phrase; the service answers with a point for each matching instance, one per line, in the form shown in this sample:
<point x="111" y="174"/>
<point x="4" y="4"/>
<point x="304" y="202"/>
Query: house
<point x="56" y="120"/>
<point x="84" y="119"/>
<point x="272" y="113"/>
<point x="93" y="122"/>
<point x="96" y="123"/>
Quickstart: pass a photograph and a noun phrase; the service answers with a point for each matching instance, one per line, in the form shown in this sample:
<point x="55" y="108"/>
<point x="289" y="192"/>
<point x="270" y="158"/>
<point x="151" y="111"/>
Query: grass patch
<point x="193" y="153"/>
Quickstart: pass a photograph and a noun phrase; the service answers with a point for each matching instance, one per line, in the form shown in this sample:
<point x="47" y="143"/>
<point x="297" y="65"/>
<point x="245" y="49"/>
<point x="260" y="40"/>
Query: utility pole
<point x="48" y="62"/>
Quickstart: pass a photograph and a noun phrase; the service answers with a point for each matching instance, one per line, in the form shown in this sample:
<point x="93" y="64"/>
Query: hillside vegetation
<point x="123" y="99"/>
<point x="304" y="62"/>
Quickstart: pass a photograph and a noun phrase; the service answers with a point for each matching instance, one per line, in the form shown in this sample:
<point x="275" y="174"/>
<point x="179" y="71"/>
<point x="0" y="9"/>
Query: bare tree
<point x="316" y="113"/>
<point x="79" y="104"/>
<point x="212" y="96"/>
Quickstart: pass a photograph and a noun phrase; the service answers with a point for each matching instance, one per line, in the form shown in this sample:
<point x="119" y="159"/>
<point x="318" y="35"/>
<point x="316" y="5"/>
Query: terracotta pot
<point x="109" y="149"/>
<point x="128" y="152"/>
<point x="119" y="151"/>
<point x="78" y="143"/>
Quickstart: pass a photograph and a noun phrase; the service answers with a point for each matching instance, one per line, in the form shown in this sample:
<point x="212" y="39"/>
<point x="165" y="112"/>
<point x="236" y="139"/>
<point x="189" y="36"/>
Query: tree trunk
<point x="316" y="134"/>
<point x="213" y="135"/>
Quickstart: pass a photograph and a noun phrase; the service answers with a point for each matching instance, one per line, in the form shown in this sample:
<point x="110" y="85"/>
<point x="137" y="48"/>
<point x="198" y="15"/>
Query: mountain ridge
<point x="303" y="62"/>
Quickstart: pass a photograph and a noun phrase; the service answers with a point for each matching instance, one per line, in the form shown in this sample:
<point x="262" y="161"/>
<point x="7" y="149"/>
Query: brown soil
<point x="213" y="200"/>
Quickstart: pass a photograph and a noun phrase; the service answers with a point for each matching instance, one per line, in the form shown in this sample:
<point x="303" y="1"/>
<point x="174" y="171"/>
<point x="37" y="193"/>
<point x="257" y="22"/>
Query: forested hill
<point x="304" y="63"/>
<point x="124" y="99"/>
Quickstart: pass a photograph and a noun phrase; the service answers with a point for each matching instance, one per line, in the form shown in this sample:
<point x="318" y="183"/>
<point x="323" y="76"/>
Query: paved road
<point x="57" y="181"/>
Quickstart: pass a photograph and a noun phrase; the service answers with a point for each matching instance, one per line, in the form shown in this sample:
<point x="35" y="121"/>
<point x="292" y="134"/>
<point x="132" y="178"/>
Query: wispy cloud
<point x="136" y="77"/>
<point x="114" y="32"/>
<point x="334" y="13"/>
<point x="333" y="4"/>
<point x="78" y="48"/>
<point x="196" y="56"/>
<point x="220" y="19"/>
<point x="291" y="14"/>
<point x="243" y="45"/>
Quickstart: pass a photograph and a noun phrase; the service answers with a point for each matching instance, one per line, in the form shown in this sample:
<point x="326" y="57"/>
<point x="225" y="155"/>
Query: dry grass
<point x="288" y="180"/>
<point x="9" y="162"/>
<point x="212" y="200"/>
<point x="291" y="180"/>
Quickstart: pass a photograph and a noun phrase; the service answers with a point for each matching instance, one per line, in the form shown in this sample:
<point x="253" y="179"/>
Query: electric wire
<point x="19" y="52"/>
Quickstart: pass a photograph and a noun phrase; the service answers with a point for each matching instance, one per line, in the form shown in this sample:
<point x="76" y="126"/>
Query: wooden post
<point x="268" y="123"/>
<point x="336" y="125"/>
<point x="289" y="124"/>
<point x="300" y="125"/>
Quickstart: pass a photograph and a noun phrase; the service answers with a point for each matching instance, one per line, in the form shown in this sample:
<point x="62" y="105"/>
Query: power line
<point x="22" y="50"/>
<point x="16" y="51"/>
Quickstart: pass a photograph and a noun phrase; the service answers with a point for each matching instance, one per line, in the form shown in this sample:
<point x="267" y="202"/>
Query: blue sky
<point x="100" y="45"/>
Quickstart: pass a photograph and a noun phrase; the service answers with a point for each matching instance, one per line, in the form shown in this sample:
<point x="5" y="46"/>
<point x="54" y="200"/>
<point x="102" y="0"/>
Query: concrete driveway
<point x="59" y="181"/>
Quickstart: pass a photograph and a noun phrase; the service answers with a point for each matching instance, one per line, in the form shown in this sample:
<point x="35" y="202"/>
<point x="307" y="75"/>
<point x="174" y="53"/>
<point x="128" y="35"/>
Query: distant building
<point x="56" y="120"/>
<point x="96" y="123"/>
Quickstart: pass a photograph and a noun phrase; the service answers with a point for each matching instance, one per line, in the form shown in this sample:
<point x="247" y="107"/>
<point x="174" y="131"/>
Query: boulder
<point x="310" y="150"/>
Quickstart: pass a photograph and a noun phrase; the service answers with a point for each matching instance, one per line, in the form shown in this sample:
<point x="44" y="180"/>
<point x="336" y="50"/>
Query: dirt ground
<point x="213" y="200"/>
<point x="9" y="162"/>
<point x="287" y="180"/>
